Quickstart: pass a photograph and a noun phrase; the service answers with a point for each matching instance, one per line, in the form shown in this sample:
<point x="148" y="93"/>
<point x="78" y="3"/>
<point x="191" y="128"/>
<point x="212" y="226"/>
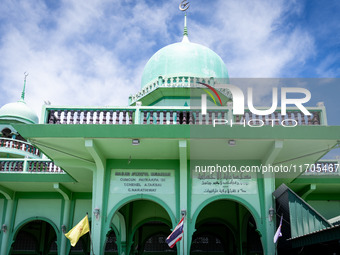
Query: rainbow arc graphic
<point x="210" y="94"/>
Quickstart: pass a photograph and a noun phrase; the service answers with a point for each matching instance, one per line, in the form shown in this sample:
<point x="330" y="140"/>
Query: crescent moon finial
<point x="184" y="5"/>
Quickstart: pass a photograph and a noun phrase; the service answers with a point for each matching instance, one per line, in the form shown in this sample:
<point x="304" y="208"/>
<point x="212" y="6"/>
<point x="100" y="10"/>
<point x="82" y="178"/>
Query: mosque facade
<point x="138" y="170"/>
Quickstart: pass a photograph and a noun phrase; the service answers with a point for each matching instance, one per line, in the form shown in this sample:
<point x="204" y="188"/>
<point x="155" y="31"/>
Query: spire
<point x="183" y="6"/>
<point x="22" y="99"/>
<point x="185" y="32"/>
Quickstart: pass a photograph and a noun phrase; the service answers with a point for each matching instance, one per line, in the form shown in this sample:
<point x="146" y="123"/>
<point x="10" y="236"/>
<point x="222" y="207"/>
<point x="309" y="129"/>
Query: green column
<point x="123" y="248"/>
<point x="98" y="237"/>
<point x="269" y="187"/>
<point x="66" y="221"/>
<point x="67" y="195"/>
<point x="268" y="202"/>
<point x="8" y="220"/>
<point x="183" y="196"/>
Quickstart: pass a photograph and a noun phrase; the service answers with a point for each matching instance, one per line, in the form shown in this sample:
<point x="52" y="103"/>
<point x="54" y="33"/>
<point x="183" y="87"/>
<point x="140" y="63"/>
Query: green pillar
<point x="67" y="194"/>
<point x="269" y="187"/>
<point x="98" y="237"/>
<point x="123" y="248"/>
<point x="8" y="220"/>
<point x="183" y="196"/>
<point x="66" y="221"/>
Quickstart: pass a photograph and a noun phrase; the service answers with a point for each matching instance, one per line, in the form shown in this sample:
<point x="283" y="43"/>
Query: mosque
<point x="138" y="169"/>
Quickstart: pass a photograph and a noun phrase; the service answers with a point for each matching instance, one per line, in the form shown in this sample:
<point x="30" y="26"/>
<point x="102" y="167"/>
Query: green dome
<point x="184" y="59"/>
<point x="18" y="111"/>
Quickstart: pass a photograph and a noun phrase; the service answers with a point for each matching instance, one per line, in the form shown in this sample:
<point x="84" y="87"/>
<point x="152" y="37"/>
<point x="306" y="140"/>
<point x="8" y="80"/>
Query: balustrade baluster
<point x="177" y="117"/>
<point x="104" y="116"/>
<point x="97" y="116"/>
<point x="91" y="116"/>
<point x="197" y="117"/>
<point x="164" y="113"/>
<point x="71" y="117"/>
<point x="316" y="118"/>
<point x="151" y="117"/>
<point x="184" y="120"/>
<point x="210" y="117"/>
<point x="191" y="118"/>
<point x="303" y="120"/>
<point x="290" y="122"/>
<point x="158" y="116"/>
<point x="171" y="117"/>
<point x="65" y="117"/>
<point x="30" y="164"/>
<point x="21" y="166"/>
<point x="78" y="116"/>
<point x="296" y="117"/>
<point x="15" y="166"/>
<point x="309" y="120"/>
<point x="37" y="167"/>
<point x="117" y="117"/>
<point x="130" y="117"/>
<point x="124" y="117"/>
<point x="51" y="118"/>
<point x="11" y="166"/>
<point x="58" y="116"/>
<point x="277" y="120"/>
<point x="145" y="114"/>
<point x="111" y="117"/>
<point x="85" y="117"/>
<point x="45" y="167"/>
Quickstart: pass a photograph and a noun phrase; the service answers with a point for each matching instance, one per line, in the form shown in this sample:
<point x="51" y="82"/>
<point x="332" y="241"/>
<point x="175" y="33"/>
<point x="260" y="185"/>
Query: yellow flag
<point x="79" y="230"/>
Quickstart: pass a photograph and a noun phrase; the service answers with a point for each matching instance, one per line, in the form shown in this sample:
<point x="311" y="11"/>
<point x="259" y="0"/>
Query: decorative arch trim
<point x="24" y="222"/>
<point x="141" y="197"/>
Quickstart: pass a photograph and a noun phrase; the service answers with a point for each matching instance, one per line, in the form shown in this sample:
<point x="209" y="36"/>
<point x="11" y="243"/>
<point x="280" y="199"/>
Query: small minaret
<point x="22" y="99"/>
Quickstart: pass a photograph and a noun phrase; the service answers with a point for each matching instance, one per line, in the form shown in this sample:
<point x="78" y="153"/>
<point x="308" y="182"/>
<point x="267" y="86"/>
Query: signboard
<point x="142" y="181"/>
<point x="221" y="183"/>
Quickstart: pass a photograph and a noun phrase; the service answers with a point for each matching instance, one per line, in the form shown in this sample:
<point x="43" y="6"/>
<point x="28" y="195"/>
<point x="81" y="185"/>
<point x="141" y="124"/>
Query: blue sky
<point x="93" y="52"/>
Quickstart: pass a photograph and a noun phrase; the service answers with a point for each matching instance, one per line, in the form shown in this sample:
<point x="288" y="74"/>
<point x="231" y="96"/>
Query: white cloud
<point x="93" y="52"/>
<point x="256" y="40"/>
<point x="253" y="39"/>
<point x="82" y="53"/>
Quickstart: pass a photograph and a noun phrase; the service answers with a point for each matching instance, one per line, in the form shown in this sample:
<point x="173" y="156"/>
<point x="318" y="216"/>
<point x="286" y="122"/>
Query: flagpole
<point x="90" y="234"/>
<point x="183" y="234"/>
<point x="183" y="244"/>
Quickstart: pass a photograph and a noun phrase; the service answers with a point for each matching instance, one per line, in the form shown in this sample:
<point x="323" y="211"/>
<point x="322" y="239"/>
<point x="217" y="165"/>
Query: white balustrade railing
<point x="19" y="145"/>
<point x="29" y="166"/>
<point x="162" y="115"/>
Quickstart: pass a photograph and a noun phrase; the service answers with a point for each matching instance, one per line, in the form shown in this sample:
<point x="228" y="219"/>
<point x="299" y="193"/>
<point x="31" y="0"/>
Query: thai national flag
<point x="176" y="235"/>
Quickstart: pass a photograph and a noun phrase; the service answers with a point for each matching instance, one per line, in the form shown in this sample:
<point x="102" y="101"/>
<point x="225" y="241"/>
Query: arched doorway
<point x="225" y="227"/>
<point x="35" y="237"/>
<point x="142" y="226"/>
<point x="111" y="247"/>
<point x="83" y="245"/>
<point x="149" y="239"/>
<point x="213" y="237"/>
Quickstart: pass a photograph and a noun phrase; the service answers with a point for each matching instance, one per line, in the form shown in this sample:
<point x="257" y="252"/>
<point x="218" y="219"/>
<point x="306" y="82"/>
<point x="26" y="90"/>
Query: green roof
<point x="184" y="59"/>
<point x="18" y="112"/>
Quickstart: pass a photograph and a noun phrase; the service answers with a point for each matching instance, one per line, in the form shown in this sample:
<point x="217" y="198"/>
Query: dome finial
<point x="185" y="31"/>
<point x="184" y="6"/>
<point x="24" y="88"/>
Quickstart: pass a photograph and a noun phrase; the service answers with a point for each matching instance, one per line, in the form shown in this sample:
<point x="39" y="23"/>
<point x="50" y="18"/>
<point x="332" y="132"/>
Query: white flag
<point x="278" y="232"/>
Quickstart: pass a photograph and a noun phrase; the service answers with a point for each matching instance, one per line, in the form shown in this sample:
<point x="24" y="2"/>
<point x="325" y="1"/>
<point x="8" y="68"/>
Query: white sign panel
<point x="217" y="183"/>
<point x="142" y="181"/>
